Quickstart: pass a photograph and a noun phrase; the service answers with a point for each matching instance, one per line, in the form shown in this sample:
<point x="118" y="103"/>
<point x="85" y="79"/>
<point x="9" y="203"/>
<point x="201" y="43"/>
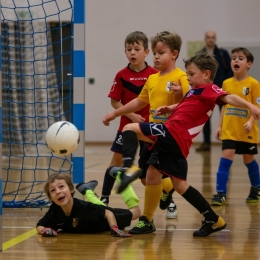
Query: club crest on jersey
<point x="190" y="93"/>
<point x="258" y="100"/>
<point x="245" y="91"/>
<point x="168" y="85"/>
<point x="75" y="222"/>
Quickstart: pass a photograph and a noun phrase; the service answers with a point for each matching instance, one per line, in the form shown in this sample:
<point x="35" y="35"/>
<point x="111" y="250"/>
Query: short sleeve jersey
<point x="189" y="117"/>
<point x="156" y="94"/>
<point x="85" y="217"/>
<point x="235" y="117"/>
<point x="127" y="86"/>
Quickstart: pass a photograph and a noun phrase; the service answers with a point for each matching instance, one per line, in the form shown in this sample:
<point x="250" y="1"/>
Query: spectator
<point x="224" y="72"/>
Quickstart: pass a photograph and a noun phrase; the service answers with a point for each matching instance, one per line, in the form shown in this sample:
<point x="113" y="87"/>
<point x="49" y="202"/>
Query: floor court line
<point x="19" y="239"/>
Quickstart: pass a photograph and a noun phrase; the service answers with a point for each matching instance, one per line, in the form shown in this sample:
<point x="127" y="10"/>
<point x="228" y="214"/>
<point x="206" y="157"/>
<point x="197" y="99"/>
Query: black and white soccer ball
<point x="62" y="138"/>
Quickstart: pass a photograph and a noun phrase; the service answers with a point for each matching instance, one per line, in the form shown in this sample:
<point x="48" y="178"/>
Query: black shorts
<point x="117" y="146"/>
<point x="148" y="157"/>
<point x="240" y="147"/>
<point x="171" y="161"/>
<point x="123" y="217"/>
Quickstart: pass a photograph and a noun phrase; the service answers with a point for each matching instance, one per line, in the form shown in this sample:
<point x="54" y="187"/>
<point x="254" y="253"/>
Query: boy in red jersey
<point x="173" y="139"/>
<point x="127" y="84"/>
<point x="156" y="92"/>
<point x="238" y="129"/>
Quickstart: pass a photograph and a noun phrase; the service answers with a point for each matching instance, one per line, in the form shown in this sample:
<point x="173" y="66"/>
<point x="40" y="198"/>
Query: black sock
<point x="130" y="145"/>
<point x="199" y="202"/>
<point x="108" y="184"/>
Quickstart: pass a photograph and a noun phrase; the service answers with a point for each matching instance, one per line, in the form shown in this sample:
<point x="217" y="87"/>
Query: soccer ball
<point x="62" y="138"/>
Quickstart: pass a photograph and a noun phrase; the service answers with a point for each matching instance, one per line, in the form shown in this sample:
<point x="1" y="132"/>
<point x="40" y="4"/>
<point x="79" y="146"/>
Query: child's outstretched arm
<point x="165" y="109"/>
<point x="135" y="118"/>
<point x="134" y="105"/>
<point x="115" y="232"/>
<point x="235" y="100"/>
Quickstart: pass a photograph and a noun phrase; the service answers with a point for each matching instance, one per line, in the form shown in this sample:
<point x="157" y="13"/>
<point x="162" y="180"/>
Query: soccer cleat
<point x="128" y="175"/>
<point x="254" y="195"/>
<point x="218" y="199"/>
<point x="172" y="211"/>
<point x="209" y="227"/>
<point x="83" y="187"/>
<point x="105" y="200"/>
<point x="144" y="226"/>
<point x="113" y="170"/>
<point x="166" y="199"/>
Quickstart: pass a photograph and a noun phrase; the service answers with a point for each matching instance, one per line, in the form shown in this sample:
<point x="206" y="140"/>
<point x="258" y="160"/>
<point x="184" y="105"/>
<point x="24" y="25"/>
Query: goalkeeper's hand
<point x="115" y="232"/>
<point x="48" y="232"/>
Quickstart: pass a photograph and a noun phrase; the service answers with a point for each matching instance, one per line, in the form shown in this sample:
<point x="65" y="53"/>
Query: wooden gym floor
<point x="173" y="238"/>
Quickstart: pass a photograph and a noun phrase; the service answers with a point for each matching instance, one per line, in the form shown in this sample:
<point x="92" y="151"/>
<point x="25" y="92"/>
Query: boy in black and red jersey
<point x="173" y="139"/>
<point x="127" y="85"/>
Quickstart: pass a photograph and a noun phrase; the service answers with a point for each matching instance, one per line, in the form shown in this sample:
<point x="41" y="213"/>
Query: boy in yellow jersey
<point x="237" y="128"/>
<point x="168" y="86"/>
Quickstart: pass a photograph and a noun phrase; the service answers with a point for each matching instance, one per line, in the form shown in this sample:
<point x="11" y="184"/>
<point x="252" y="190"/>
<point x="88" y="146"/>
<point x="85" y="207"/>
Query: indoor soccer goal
<point x="37" y="90"/>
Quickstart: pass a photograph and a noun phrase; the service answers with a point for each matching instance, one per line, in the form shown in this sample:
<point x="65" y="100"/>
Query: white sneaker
<point x="172" y="211"/>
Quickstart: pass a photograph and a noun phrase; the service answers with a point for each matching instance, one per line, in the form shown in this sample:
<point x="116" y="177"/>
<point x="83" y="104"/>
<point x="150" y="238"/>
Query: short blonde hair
<point x="170" y="39"/>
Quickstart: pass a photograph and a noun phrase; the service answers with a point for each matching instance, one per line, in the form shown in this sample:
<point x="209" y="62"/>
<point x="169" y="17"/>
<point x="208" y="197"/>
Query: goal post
<point x="1" y="206"/>
<point x="79" y="88"/>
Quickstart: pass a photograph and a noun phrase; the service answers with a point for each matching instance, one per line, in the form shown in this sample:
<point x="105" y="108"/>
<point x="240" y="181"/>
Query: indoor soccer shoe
<point x="144" y="226"/>
<point x="166" y="199"/>
<point x="83" y="187"/>
<point x="218" y="199"/>
<point x="128" y="175"/>
<point x="105" y="200"/>
<point x="254" y="195"/>
<point x="209" y="227"/>
<point x="172" y="211"/>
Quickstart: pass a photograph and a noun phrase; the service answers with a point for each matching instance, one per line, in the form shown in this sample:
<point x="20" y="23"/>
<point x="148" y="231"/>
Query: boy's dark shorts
<point x="118" y="143"/>
<point x="240" y="147"/>
<point x="123" y="217"/>
<point x="117" y="146"/>
<point x="171" y="161"/>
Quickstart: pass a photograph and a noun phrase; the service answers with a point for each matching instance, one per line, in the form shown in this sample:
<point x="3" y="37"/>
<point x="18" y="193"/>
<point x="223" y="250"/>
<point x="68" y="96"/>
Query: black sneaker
<point x="209" y="227"/>
<point x="144" y="226"/>
<point x="166" y="199"/>
<point x="254" y="195"/>
<point x="105" y="200"/>
<point x="218" y="199"/>
<point x="128" y="175"/>
<point x="83" y="187"/>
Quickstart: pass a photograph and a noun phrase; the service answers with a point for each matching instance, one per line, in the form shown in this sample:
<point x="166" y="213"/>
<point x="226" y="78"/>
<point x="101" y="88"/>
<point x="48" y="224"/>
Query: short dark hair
<point x="171" y="39"/>
<point x="248" y="54"/>
<point x="137" y="37"/>
<point x="204" y="61"/>
<point x="58" y="176"/>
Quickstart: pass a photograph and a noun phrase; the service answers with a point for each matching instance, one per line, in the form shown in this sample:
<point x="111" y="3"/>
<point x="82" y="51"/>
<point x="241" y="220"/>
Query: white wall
<point x="109" y="21"/>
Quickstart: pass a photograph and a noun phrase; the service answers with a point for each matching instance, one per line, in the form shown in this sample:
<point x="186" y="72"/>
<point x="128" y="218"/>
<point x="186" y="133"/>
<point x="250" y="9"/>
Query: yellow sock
<point x="167" y="185"/>
<point x="152" y="197"/>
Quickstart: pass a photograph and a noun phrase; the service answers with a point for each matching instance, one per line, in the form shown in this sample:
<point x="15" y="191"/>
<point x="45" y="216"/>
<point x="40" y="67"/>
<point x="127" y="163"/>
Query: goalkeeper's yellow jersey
<point x="156" y="94"/>
<point x="235" y="117"/>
